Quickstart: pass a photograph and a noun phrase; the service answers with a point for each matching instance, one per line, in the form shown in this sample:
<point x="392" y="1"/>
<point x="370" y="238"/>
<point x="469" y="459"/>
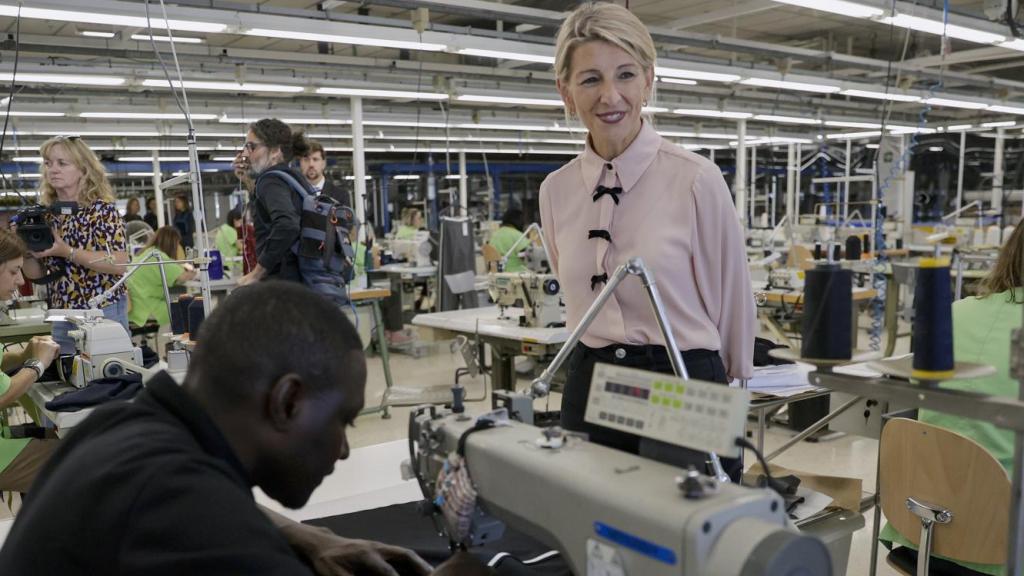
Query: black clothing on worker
<point x="277" y="222"/>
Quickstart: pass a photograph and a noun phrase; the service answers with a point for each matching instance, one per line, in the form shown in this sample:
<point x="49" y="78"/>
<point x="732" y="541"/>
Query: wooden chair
<point x="491" y="257"/>
<point x="944" y="493"/>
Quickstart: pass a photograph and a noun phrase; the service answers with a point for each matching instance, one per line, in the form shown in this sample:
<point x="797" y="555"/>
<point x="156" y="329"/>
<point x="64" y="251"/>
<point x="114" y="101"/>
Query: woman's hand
<point x="60" y="248"/>
<point x="42" y="348"/>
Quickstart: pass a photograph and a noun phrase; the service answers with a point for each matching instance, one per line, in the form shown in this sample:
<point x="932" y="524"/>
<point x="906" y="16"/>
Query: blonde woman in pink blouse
<point x="632" y="193"/>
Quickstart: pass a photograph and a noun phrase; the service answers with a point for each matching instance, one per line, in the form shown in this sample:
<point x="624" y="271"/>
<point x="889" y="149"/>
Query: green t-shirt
<point x="503" y="239"/>
<point x="9" y="447"/>
<point x="227" y="243"/>
<point x="147" y="291"/>
<point x="360" y="251"/>
<point x="406" y="233"/>
<point x="982" y="329"/>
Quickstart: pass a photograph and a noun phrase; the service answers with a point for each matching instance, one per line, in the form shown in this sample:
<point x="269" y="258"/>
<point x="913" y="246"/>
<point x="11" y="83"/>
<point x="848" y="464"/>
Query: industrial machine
<point x="538" y="293"/>
<point x="102" y="345"/>
<point x="415" y="252"/>
<point x="606" y="511"/>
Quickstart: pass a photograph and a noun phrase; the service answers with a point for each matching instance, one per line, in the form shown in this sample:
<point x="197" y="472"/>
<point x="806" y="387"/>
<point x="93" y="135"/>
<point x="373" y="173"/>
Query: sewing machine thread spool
<point x="216" y="269"/>
<point x="853" y="248"/>
<point x="818" y="253"/>
<point x="828" y="310"/>
<point x="837" y="252"/>
<point x="179" y="314"/>
<point x="867" y="244"/>
<point x="196" y="315"/>
<point x="933" y="321"/>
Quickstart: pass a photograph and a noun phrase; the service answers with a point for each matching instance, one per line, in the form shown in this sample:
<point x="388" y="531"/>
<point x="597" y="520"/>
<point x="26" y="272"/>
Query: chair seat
<point x="904" y="560"/>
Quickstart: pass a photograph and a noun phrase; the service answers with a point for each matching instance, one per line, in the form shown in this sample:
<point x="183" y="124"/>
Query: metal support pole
<point x="846" y="182"/>
<point x="960" y="172"/>
<point x="813" y="428"/>
<point x="463" y="184"/>
<point x="792" y="169"/>
<point x="358" y="159"/>
<point x="161" y="220"/>
<point x="997" y="170"/>
<point x="202" y="241"/>
<point x="739" y="182"/>
<point x="752" y="190"/>
<point x="798" y="166"/>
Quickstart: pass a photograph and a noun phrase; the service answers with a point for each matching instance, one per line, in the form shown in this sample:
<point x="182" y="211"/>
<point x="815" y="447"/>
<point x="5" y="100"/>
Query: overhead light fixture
<point x="959" y="127"/>
<point x="510" y="100"/>
<point x="841" y="7"/>
<point x="711" y="113"/>
<point x="145" y="115"/>
<point x="136" y="174"/>
<point x="97" y="133"/>
<point x="1006" y="109"/>
<point x="695" y="74"/>
<point x="406" y="176"/>
<point x="118" y="20"/>
<point x="1003" y="124"/>
<point x="786" y="119"/>
<point x="1017" y="44"/>
<point x="517" y="127"/>
<point x="898" y="130"/>
<point x="33" y="159"/>
<point x="97" y="34"/>
<point x="891" y="96"/>
<point x="935" y="148"/>
<point x="227" y="86"/>
<point x="150" y="158"/>
<point x="847" y="124"/>
<point x="77" y="79"/>
<point x="787" y="85"/>
<point x="29" y="114"/>
<point x="351" y="177"/>
<point x="654" y="110"/>
<point x="503" y="55"/>
<point x="453" y="177"/>
<point x="942" y="29"/>
<point x="369" y="93"/>
<point x="708" y="135"/>
<point x="681" y="81"/>
<point x="176" y="39"/>
<point x="323" y="121"/>
<point x="965" y="104"/>
<point x="404" y="123"/>
<point x="854" y="135"/>
<point x="339" y="39"/>
<point x="871" y="146"/>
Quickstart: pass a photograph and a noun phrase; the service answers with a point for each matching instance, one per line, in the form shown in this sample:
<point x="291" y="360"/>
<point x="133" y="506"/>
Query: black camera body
<point x="33" y="228"/>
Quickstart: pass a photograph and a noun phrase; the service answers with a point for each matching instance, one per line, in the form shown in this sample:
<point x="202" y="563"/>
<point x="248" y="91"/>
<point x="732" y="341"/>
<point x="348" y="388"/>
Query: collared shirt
<point x="675" y="212"/>
<point x="147" y="487"/>
<point x="319" y="186"/>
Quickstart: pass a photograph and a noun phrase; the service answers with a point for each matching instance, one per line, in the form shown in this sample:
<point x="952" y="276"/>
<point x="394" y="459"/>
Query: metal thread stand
<point x="634" y="267"/>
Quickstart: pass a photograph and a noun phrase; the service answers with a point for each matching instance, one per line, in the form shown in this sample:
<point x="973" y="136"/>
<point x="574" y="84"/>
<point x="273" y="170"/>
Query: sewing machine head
<point x="538" y="294"/>
<point x="415" y="252"/>
<point x="98" y="342"/>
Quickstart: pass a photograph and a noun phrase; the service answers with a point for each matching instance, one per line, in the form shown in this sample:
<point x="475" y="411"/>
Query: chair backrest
<point x="491" y="257"/>
<point x="941" y="467"/>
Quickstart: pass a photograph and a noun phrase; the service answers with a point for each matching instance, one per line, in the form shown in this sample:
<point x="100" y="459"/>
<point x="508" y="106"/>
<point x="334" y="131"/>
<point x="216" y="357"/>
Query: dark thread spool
<point x="837" y="252"/>
<point x="179" y="314"/>
<point x="867" y="244"/>
<point x="853" y="248"/>
<point x="818" y="254"/>
<point x="216" y="269"/>
<point x="196" y="315"/>
<point x="828" y="310"/>
<point x="933" y="321"/>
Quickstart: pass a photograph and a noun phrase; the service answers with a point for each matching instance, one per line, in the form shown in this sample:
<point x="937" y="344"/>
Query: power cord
<point x="747" y="444"/>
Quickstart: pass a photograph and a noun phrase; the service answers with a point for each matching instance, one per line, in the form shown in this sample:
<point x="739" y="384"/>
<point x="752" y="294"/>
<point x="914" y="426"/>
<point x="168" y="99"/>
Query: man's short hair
<point x="315" y="146"/>
<point x="267" y="330"/>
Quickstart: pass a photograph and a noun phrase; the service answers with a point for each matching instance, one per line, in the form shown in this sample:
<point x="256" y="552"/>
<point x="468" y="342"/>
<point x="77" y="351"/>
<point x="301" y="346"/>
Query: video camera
<point x="33" y="228"/>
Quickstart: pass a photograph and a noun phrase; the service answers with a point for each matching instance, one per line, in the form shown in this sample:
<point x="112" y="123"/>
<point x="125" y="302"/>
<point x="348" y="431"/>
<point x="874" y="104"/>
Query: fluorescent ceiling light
<point x="846" y="124"/>
<point x="406" y="176"/>
<point x="787" y="85"/>
<point x="682" y="81"/>
<point x="853" y="135"/>
<point x="708" y="135"/>
<point x="1013" y="45"/>
<point x="324" y="121"/>
<point x="510" y="100"/>
<point x="941" y="29"/>
<point x="339" y="39"/>
<point x="1006" y="109"/>
<point x="405" y="123"/>
<point x="517" y="127"/>
<point x="146" y="115"/>
<point x="871" y="146"/>
<point x="956" y="103"/>
<point x="959" y="127"/>
<point x="35" y="159"/>
<point x="30" y="114"/>
<point x="111" y="19"/>
<point x="81" y="79"/>
<point x="891" y="96"/>
<point x="711" y="113"/>
<point x="367" y="93"/>
<point x="1004" y="124"/>
<point x="150" y="158"/>
<point x="97" y="34"/>
<point x="125" y="133"/>
<point x="786" y="119"/>
<point x="133" y="174"/>
<point x="351" y="177"/>
<point x="454" y="177"/>
<point x="520" y="56"/>
<point x="911" y="130"/>
<point x="177" y="39"/>
<point x="695" y="74"/>
<point x="654" y="110"/>
<point x="229" y="86"/>
<point x="840" y="7"/>
<point x="935" y="148"/>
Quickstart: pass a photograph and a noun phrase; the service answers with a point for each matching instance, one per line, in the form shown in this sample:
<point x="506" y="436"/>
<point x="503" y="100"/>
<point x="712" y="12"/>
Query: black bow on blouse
<point x="597" y="279"/>
<point x="599" y="234"/>
<point x="613" y="192"/>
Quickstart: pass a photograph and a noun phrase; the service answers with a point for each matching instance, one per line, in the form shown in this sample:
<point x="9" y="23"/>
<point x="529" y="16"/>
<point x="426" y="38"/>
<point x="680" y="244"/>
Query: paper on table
<point x="813" y="503"/>
<point x="783" y="380"/>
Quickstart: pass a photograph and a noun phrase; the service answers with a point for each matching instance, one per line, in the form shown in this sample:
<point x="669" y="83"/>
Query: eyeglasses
<point x="252" y="146"/>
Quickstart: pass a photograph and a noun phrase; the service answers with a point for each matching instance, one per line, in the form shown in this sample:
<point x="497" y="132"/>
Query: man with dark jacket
<point x="314" y="165"/>
<point x="277" y="208"/>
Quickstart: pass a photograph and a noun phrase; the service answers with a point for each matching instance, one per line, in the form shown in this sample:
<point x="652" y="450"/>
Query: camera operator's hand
<point x="60" y="248"/>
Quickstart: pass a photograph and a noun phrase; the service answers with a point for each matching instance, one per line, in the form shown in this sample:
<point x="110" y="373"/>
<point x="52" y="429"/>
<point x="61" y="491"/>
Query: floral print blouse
<point x="97" y="227"/>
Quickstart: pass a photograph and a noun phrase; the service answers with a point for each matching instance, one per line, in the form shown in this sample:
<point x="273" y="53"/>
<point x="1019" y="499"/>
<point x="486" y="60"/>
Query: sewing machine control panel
<point x="691" y="413"/>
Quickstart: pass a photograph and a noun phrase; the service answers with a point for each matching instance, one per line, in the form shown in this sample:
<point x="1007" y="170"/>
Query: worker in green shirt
<point x="982" y="329"/>
<point x="20" y="458"/>
<point x="507" y="236"/>
<point x="145" y="287"/>
<point x="227" y="241"/>
<point x="412" y="222"/>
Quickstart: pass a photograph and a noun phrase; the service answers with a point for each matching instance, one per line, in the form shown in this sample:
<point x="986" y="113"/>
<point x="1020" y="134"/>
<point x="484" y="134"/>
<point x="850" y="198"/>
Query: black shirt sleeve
<point x="277" y="199"/>
<point x="224" y="532"/>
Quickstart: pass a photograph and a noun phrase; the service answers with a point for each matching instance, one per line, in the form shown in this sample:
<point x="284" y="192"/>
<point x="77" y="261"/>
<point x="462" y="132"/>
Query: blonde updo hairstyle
<point x="609" y="23"/>
<point x="95" y="185"/>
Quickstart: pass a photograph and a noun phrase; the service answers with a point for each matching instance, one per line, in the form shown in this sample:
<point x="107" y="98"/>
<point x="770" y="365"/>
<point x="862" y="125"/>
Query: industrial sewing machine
<point x="415" y="252"/>
<point x="538" y="293"/>
<point x="606" y="511"/>
<point x="103" y="347"/>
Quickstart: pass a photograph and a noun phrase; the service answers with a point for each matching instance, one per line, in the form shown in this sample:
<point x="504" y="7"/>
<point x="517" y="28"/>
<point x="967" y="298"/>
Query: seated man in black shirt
<point x="163" y="485"/>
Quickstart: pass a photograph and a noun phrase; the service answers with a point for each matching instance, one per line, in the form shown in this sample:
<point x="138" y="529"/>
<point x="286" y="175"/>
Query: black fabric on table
<point x="403" y="525"/>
